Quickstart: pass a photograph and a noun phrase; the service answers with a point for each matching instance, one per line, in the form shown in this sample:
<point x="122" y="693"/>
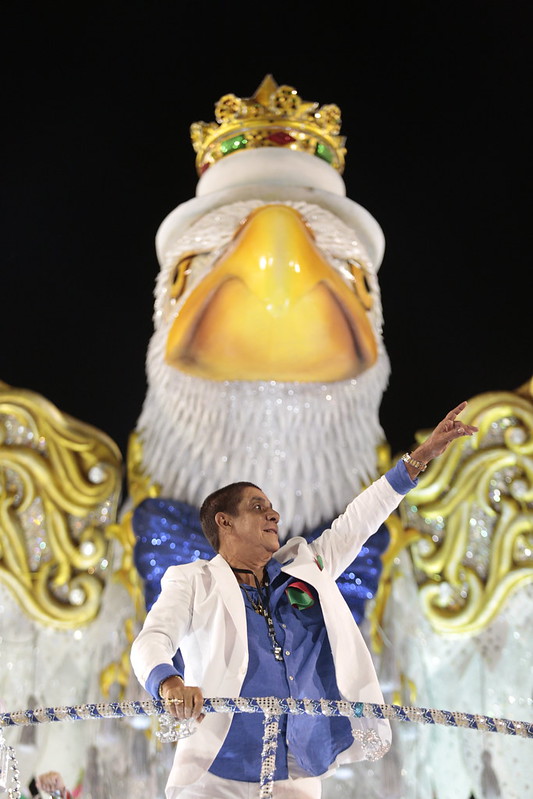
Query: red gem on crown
<point x="280" y="137"/>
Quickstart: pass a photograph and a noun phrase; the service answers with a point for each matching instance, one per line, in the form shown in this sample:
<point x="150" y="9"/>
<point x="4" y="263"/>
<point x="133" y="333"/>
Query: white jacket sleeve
<point x="339" y="546"/>
<point x="165" y="625"/>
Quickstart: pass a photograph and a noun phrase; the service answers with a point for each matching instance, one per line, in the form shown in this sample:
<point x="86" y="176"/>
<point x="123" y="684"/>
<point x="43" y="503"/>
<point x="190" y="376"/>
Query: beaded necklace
<point x="261" y="606"/>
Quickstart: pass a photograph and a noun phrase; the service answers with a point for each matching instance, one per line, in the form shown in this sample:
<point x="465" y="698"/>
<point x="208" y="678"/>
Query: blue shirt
<point x="306" y="671"/>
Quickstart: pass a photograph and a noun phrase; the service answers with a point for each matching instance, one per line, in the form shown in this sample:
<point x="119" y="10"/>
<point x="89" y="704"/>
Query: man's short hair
<point x="225" y="500"/>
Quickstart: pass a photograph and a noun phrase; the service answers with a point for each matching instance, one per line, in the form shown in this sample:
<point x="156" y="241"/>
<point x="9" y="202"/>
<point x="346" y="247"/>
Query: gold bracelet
<point x="413" y="462"/>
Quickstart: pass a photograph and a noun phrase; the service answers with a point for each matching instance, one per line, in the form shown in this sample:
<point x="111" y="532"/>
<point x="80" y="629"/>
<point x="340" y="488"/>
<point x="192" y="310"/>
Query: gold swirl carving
<point x="399" y="540"/>
<point x="472" y="513"/>
<point x="140" y="487"/>
<point x="119" y="672"/>
<point x="60" y="482"/>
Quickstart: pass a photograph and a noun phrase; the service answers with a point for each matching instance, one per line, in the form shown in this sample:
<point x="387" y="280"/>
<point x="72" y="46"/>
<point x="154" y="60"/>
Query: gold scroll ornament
<point x="469" y="522"/>
<point x="140" y="486"/>
<point x="60" y="483"/>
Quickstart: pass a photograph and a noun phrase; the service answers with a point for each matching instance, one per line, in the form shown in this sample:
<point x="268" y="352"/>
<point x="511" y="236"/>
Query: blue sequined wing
<point x="169" y="533"/>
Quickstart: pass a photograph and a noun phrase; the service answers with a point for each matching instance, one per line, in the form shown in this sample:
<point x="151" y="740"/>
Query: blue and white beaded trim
<point x="272" y="709"/>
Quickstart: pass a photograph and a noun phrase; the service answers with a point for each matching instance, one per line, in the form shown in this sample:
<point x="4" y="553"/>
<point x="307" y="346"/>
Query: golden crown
<point x="275" y="116"/>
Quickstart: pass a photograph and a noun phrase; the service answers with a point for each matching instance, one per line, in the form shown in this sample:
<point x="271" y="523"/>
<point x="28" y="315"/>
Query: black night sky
<point x="97" y="103"/>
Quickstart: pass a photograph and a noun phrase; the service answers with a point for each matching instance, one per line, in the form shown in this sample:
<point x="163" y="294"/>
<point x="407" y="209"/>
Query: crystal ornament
<point x="9" y="770"/>
<point x="172" y="729"/>
<point x="97" y="474"/>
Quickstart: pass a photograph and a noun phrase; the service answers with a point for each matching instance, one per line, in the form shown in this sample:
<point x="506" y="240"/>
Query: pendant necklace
<point x="261" y="606"/>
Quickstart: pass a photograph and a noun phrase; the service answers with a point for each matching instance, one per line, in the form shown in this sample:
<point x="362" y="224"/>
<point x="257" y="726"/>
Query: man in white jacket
<point x="263" y="620"/>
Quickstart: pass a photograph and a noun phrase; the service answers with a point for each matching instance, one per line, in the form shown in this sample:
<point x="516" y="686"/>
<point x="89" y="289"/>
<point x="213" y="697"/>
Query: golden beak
<point x="272" y="308"/>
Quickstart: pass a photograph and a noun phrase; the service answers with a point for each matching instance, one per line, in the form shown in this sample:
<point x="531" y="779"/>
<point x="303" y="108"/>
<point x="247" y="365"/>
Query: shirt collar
<point x="273" y="568"/>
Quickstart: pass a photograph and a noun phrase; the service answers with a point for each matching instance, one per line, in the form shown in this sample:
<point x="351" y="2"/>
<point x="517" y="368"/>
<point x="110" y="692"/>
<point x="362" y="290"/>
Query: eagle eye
<point x="178" y="281"/>
<point x="361" y="283"/>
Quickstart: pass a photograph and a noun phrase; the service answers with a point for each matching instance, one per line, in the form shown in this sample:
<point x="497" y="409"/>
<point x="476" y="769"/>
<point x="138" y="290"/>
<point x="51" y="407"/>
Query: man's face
<point x="255" y="525"/>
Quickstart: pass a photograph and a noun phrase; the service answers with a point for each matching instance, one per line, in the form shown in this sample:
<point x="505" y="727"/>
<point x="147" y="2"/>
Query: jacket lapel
<point x="304" y="567"/>
<point x="228" y="588"/>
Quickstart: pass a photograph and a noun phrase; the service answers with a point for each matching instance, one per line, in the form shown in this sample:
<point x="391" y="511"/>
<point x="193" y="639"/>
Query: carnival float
<point x="267" y="363"/>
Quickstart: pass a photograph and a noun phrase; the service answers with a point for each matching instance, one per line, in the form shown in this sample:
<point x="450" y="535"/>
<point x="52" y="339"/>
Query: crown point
<point x="265" y="90"/>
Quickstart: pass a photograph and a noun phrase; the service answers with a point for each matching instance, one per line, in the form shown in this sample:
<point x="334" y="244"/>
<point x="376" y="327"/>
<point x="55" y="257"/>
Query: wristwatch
<point x="413" y="462"/>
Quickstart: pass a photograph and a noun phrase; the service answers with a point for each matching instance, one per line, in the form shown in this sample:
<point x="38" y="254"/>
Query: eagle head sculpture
<point x="267" y="361"/>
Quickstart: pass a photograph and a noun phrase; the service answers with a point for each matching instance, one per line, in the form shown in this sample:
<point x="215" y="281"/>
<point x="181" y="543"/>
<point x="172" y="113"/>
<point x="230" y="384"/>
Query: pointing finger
<point x="456" y="411"/>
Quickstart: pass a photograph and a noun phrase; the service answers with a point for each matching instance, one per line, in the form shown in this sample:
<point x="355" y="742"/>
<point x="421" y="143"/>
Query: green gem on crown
<point x="230" y="145"/>
<point x="324" y="152"/>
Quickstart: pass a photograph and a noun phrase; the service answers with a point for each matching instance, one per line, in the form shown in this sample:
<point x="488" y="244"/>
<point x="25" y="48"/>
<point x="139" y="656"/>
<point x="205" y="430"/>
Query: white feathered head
<point x="267" y="362"/>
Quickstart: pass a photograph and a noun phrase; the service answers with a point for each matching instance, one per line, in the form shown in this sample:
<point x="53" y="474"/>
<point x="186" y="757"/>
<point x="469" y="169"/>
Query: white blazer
<point x="200" y="610"/>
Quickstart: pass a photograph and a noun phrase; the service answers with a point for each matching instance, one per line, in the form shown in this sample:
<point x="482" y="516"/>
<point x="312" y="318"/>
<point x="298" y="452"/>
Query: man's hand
<point x="52" y="783"/>
<point x="183" y="701"/>
<point x="442" y="436"/>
